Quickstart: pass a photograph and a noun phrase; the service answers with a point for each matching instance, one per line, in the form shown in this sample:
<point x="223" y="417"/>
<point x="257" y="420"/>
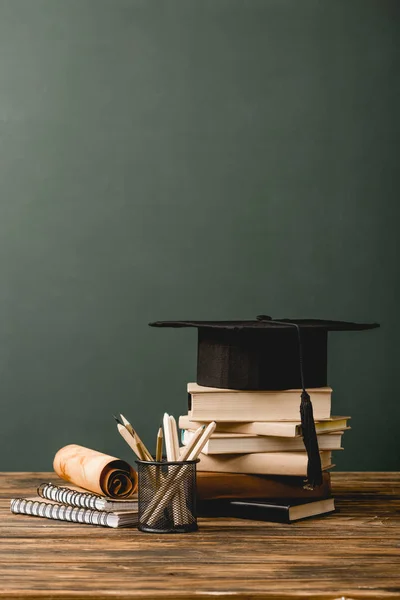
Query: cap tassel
<point x="314" y="473"/>
<point x="314" y="469"/>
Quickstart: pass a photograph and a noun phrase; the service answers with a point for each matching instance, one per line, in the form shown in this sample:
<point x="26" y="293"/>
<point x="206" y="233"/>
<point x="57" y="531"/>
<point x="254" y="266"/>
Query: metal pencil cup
<point x="167" y="496"/>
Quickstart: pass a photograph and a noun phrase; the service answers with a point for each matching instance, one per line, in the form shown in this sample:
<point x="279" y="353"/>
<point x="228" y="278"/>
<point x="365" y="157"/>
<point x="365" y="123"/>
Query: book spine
<point x="64" y="495"/>
<point x="217" y="486"/>
<point x="261" y="463"/>
<point x="260" y="512"/>
<point x="242" y="510"/>
<point x="59" y="512"/>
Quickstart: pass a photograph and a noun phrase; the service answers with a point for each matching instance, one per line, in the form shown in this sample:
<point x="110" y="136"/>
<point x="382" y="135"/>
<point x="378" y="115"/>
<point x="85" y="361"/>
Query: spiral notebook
<point x="67" y="504"/>
<point x="74" y="496"/>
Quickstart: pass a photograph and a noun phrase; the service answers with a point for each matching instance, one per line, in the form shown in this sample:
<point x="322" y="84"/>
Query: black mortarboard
<point x="269" y="354"/>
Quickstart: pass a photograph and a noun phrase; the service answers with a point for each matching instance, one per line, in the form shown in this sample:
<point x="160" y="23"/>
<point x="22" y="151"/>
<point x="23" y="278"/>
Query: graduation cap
<point x="269" y="354"/>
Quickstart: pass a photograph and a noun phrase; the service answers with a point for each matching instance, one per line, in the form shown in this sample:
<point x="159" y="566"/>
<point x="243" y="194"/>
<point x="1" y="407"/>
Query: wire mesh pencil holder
<point x="167" y="496"/>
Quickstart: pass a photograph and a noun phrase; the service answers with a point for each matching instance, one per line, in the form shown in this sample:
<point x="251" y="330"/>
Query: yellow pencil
<point x="159" y="445"/>
<point x="141" y="448"/>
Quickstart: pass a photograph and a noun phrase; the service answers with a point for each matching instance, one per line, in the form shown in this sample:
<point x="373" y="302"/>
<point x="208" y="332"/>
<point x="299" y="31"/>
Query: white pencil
<point x="170" y="450"/>
<point x="186" y="450"/>
<point x="180" y="497"/>
<point x="175" y="437"/>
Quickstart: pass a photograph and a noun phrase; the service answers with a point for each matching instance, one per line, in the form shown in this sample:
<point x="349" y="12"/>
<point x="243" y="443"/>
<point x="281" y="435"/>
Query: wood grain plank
<point x="354" y="553"/>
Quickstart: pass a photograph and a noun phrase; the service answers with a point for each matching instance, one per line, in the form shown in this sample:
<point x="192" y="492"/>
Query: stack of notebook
<point x="77" y="506"/>
<point x="257" y="450"/>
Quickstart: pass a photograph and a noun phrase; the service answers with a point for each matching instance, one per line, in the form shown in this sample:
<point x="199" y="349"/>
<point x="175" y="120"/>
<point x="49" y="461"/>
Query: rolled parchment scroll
<point x="99" y="473"/>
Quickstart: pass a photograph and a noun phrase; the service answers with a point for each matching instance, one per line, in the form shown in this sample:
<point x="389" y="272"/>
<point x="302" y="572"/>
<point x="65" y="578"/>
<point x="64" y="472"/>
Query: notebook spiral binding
<point x="60" y="512"/>
<point x="65" y="495"/>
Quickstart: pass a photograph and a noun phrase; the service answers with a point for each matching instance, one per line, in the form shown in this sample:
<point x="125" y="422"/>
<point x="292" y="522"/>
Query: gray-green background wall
<point x="192" y="159"/>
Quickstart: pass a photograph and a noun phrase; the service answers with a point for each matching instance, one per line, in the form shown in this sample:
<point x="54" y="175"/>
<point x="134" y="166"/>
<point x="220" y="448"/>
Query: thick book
<point x="274" y="428"/>
<point x="277" y="511"/>
<point x="74" y="496"/>
<point x="218" y="486"/>
<point x="212" y="404"/>
<point x="239" y="443"/>
<point x="262" y="463"/>
<point x="44" y="508"/>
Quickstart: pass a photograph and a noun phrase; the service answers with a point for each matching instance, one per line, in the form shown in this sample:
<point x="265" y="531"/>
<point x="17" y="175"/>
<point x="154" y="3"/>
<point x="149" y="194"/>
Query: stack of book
<point x="257" y="450"/>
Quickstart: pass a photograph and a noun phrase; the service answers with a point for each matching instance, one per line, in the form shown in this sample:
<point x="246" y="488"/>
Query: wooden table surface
<point x="354" y="553"/>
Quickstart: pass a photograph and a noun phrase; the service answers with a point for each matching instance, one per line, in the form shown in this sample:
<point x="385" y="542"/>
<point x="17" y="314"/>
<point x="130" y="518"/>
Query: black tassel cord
<point x="314" y="470"/>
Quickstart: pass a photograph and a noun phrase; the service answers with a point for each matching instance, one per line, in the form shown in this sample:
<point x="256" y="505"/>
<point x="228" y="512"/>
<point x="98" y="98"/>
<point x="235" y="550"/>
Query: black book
<point x="275" y="511"/>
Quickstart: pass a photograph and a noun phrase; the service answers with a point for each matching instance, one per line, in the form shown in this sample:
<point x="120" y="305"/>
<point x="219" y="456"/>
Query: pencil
<point x="147" y="455"/>
<point x="146" y="452"/>
<point x="175" y="437"/>
<point x="159" y="444"/>
<point x="180" y="497"/>
<point x="129" y="439"/>
<point x="186" y="450"/>
<point x="170" y="450"/>
<point x="126" y="423"/>
<point x="193" y="451"/>
<point x="118" y="420"/>
<point x="141" y="447"/>
<point x="132" y="443"/>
